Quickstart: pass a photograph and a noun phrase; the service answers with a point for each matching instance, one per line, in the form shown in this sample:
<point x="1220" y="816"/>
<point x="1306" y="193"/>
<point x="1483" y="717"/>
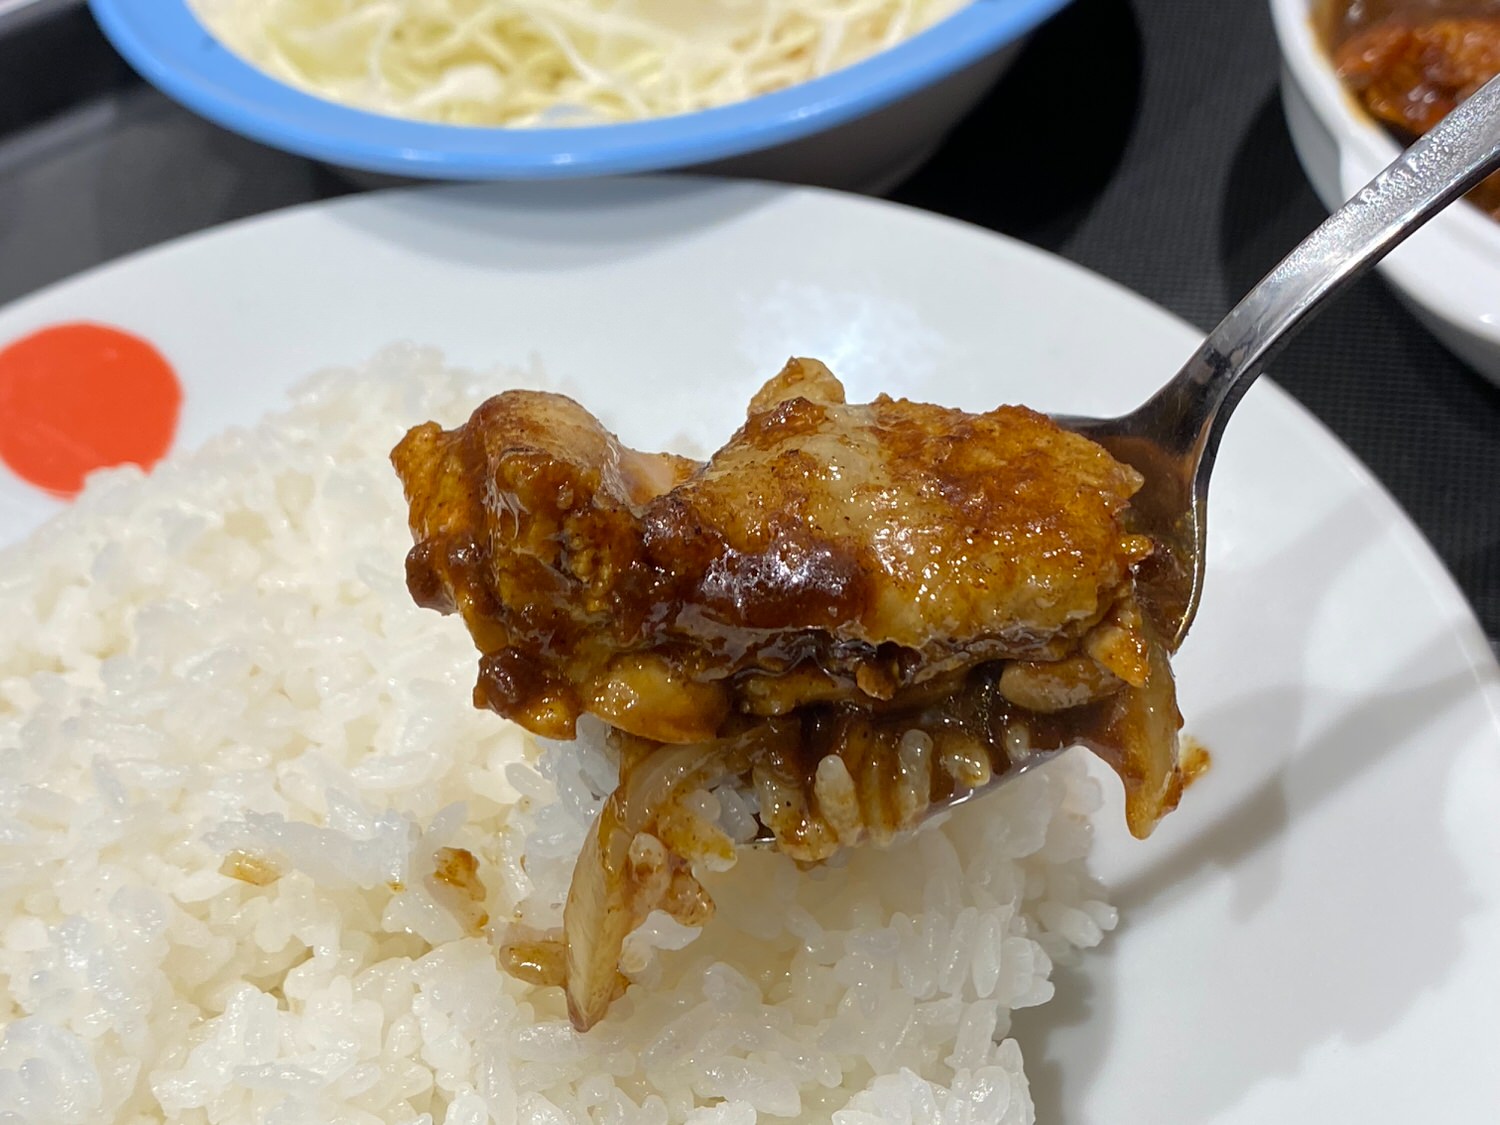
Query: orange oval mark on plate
<point x="80" y="397"/>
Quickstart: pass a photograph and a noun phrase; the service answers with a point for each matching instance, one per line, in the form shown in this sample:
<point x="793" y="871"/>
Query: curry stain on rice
<point x="247" y="867"/>
<point x="455" y="882"/>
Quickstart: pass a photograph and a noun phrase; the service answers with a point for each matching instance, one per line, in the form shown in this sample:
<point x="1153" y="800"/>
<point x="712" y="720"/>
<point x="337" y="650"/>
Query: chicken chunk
<point x="851" y="610"/>
<point x="870" y="547"/>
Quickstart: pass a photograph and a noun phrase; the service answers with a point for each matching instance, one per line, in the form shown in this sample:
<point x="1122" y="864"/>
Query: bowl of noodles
<point x="846" y="93"/>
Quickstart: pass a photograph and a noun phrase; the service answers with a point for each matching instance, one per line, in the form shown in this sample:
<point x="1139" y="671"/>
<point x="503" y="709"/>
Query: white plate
<point x="1312" y="937"/>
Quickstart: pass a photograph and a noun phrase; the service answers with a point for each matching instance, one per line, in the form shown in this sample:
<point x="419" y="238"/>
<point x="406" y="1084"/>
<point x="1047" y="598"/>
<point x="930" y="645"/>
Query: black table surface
<point x="1169" y="169"/>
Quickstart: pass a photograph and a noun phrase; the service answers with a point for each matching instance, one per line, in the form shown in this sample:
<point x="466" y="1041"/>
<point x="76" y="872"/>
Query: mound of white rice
<point x="218" y="669"/>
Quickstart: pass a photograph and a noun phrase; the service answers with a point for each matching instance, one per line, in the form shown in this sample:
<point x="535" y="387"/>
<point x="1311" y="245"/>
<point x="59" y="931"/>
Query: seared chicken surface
<point x="853" y="609"/>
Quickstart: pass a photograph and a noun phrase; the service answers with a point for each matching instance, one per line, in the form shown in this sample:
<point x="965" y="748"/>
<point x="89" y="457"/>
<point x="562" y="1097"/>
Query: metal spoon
<point x="1172" y="437"/>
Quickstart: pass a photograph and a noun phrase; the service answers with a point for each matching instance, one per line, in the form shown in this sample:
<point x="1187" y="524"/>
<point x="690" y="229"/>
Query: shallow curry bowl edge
<point x="1447" y="274"/>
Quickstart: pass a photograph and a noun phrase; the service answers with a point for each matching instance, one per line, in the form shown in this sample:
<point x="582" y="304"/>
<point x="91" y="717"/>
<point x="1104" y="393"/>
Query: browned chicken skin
<point x="873" y="547"/>
<point x="858" y="609"/>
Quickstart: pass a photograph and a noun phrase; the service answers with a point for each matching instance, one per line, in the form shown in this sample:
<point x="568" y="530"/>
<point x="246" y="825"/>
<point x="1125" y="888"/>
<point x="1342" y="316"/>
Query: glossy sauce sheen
<point x="867" y="547"/>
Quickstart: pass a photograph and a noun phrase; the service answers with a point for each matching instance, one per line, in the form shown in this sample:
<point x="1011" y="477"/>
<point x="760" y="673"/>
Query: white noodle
<point x="557" y="62"/>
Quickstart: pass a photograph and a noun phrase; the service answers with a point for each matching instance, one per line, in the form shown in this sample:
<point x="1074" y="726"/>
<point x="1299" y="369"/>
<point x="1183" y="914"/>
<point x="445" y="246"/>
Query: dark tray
<point x="1160" y="157"/>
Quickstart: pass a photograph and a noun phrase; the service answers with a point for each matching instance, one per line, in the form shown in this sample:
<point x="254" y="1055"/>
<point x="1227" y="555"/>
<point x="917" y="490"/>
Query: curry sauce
<point x="1411" y="62"/>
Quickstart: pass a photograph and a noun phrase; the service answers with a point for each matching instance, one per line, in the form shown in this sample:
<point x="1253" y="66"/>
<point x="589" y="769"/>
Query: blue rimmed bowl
<point x="862" y="127"/>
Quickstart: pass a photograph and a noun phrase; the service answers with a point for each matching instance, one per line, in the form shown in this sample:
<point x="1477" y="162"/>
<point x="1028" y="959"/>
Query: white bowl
<point x="1448" y="273"/>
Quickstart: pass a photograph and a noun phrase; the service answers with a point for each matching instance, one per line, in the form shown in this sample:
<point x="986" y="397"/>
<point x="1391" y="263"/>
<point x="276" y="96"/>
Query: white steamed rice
<point x="223" y="659"/>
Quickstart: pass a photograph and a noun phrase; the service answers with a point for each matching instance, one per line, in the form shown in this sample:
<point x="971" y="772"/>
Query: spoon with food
<point x="1172" y="438"/>
<point x="852" y="615"/>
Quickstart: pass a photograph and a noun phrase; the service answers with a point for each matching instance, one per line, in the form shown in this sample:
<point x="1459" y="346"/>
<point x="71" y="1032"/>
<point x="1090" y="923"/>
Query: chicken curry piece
<point x="850" y="611"/>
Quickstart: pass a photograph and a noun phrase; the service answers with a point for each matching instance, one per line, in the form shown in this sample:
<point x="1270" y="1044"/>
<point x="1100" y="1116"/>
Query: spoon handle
<point x="1450" y="159"/>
